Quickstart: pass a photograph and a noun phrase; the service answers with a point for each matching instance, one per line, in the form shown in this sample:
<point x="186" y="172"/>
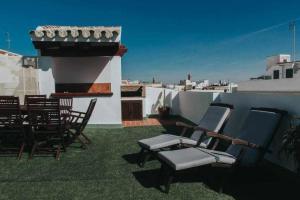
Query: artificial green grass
<point x="106" y="170"/>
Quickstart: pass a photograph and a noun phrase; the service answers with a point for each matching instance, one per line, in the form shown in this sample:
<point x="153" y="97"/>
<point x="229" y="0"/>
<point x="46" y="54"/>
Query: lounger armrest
<point x="184" y="125"/>
<point x="237" y="141"/>
<point x="219" y="136"/>
<point x="195" y="128"/>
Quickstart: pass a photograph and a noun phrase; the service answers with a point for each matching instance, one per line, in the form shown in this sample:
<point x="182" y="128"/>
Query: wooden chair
<point x="46" y="126"/>
<point x="78" y="121"/>
<point x="12" y="134"/>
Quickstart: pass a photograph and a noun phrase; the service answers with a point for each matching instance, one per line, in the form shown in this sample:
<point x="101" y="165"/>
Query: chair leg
<point x="21" y="151"/>
<point x="86" y="138"/>
<point x="33" y="150"/>
<point x="63" y="144"/>
<point x="83" y="145"/>
<point x="57" y="157"/>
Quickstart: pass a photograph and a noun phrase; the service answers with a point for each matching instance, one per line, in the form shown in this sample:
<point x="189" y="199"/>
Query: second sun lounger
<point x="213" y="120"/>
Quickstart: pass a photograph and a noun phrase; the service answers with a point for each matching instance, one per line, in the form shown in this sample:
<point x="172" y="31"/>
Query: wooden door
<point x="132" y="109"/>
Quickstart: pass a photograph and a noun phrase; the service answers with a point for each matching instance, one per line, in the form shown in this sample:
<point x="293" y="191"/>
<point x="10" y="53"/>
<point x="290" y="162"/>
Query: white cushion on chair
<point x="194" y="157"/>
<point x="160" y="141"/>
<point x="186" y="158"/>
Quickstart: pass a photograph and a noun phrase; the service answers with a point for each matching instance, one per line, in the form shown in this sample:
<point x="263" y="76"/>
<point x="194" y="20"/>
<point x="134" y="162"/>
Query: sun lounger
<point x="213" y="120"/>
<point x="248" y="149"/>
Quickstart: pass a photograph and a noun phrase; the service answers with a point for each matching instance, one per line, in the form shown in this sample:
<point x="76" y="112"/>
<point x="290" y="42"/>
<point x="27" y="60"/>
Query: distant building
<point x="202" y="84"/>
<point x="280" y="67"/>
<point x="281" y="76"/>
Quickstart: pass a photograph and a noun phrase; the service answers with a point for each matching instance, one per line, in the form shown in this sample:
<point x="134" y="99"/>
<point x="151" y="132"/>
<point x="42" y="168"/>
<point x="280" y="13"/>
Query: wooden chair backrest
<point x="41" y="96"/>
<point x="66" y="104"/>
<point x="10" y="114"/>
<point x="88" y="114"/>
<point x="44" y="114"/>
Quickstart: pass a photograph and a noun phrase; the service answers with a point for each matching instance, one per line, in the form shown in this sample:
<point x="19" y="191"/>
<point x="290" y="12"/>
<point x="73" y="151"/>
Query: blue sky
<point x="169" y="39"/>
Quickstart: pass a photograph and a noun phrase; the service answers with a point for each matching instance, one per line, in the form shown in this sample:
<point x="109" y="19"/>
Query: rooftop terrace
<point x="107" y="170"/>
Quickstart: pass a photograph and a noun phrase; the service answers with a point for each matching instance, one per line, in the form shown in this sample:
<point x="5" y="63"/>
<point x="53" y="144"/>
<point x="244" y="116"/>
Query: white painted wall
<point x="86" y="70"/>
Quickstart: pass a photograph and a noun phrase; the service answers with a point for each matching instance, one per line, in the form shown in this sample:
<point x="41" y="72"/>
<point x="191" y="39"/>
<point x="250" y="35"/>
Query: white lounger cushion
<point x="194" y="157"/>
<point x="213" y="119"/>
<point x="160" y="141"/>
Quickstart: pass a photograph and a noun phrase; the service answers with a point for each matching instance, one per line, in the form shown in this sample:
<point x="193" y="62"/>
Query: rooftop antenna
<point x="8" y="40"/>
<point x="292" y="28"/>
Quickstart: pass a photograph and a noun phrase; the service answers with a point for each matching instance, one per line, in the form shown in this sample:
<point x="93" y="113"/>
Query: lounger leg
<point x="160" y="175"/>
<point x="143" y="157"/>
<point x="146" y="158"/>
<point x="140" y="156"/>
<point x="169" y="179"/>
<point x="225" y="179"/>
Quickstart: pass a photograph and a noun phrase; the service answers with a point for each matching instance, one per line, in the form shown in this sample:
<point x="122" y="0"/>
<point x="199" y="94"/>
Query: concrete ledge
<point x="104" y="126"/>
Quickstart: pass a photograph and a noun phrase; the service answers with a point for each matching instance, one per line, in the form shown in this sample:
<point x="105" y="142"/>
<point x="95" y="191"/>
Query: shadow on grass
<point x="245" y="184"/>
<point x="262" y="183"/>
<point x="132" y="158"/>
<point x="150" y="178"/>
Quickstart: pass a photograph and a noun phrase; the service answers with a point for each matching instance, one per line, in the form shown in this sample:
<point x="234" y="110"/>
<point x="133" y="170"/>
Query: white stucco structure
<point x="97" y="70"/>
<point x="86" y="67"/>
